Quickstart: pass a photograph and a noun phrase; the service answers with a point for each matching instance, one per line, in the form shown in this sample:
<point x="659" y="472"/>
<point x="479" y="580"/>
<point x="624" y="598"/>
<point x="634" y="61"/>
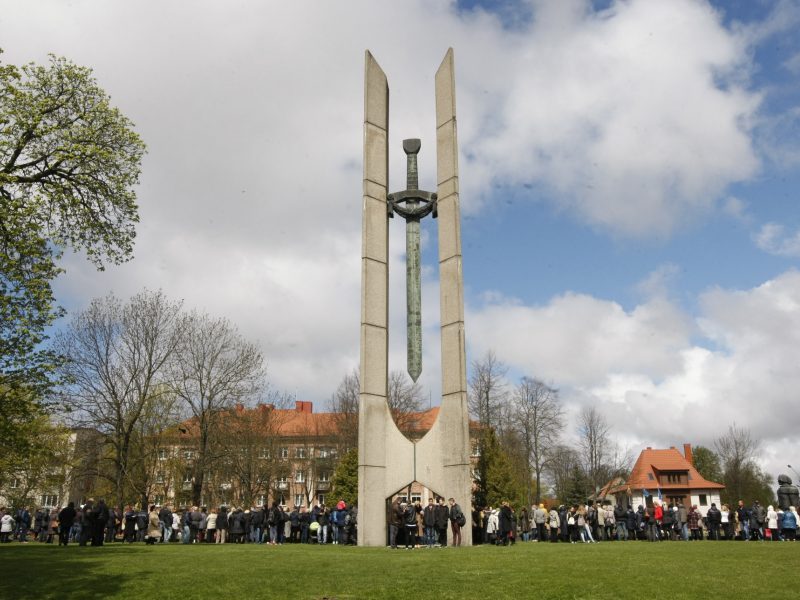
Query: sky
<point x="629" y="185"/>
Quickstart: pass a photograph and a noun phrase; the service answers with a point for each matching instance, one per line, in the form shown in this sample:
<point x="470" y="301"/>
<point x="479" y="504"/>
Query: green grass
<point x="607" y="570"/>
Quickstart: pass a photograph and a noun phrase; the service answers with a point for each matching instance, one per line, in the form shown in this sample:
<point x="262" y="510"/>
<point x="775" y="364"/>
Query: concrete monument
<point x="387" y="460"/>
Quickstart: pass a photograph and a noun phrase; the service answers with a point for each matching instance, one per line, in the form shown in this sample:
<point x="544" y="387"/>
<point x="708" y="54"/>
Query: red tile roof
<point x="301" y="421"/>
<point x="651" y="463"/>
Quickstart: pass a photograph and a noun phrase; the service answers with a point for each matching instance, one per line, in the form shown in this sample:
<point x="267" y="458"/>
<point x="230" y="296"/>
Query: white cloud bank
<point x="659" y="375"/>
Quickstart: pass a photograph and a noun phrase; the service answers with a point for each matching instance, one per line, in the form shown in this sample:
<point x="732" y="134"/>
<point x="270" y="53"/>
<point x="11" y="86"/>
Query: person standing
<point x="165" y="518"/>
<point x="442" y="520"/>
<point x="395" y="521"/>
<point x="713" y="518"/>
<point x="743" y="516"/>
<point x="458" y="520"/>
<point x="554" y="524"/>
<point x="222" y="525"/>
<point x="6" y="526"/>
<point x="65" y="520"/>
<point x="153" y="526"/>
<point x="87" y="519"/>
<point x="211" y="526"/>
<point x="772" y="523"/>
<point x="429" y="522"/>
<point x="100" y="518"/>
<point x="23" y="521"/>
<point x="111" y="525"/>
<point x="129" y="528"/>
<point x="539" y="519"/>
<point x="410" y="520"/>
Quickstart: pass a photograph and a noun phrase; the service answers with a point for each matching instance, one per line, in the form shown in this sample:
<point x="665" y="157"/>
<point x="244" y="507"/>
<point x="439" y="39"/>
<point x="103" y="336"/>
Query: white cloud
<point x="660" y="376"/>
<point x="636" y="118"/>
<point x="773" y="238"/>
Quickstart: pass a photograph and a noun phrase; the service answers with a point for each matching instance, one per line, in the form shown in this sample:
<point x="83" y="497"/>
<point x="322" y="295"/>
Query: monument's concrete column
<point x="387" y="460"/>
<point x="385" y="456"/>
<point x="443" y="462"/>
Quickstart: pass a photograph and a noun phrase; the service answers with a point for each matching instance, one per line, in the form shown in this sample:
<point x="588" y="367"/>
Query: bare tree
<point x="561" y="468"/>
<point x="538" y="417"/>
<point x="250" y="440"/>
<point x="116" y="367"/>
<point x="214" y="368"/>
<point x="743" y="478"/>
<point x="344" y="406"/>
<point x="404" y="399"/>
<point x="594" y="434"/>
<point x="488" y="390"/>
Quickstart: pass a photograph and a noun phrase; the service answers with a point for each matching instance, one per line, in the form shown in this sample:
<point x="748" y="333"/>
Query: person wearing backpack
<point x="457" y="520"/>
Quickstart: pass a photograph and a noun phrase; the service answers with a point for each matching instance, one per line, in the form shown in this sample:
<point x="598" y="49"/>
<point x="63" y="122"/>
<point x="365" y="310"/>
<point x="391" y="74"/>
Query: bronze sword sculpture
<point x="413" y="205"/>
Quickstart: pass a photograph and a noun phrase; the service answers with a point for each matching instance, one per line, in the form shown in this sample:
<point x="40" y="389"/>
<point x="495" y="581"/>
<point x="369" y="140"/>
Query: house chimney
<point x="687" y="452"/>
<point x="303" y="406"/>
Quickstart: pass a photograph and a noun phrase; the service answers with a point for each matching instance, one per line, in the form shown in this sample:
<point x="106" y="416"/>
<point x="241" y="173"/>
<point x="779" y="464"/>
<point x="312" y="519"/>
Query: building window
<point x="261" y="500"/>
<point x="281" y="500"/>
<point x="160" y="477"/>
<point x="282" y="483"/>
<point x="300" y="477"/>
<point x="284" y="452"/>
<point x="650" y="477"/>
<point x="188" y="454"/>
<point x="263" y="453"/>
<point x="299" y="452"/>
<point x="162" y="454"/>
<point x="321" y="499"/>
<point x="324" y="477"/>
<point x="158" y="499"/>
<point x="14" y="483"/>
<point x="476" y="449"/>
<point x="416" y="497"/>
<point x="187" y="478"/>
<point x="299" y="500"/>
<point x="324" y="452"/>
<point x="703" y="500"/>
<point x="49" y="500"/>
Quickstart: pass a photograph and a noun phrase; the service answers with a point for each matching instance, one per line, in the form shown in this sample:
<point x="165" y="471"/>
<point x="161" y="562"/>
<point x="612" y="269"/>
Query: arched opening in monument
<point x="416" y="516"/>
<point x="410" y="409"/>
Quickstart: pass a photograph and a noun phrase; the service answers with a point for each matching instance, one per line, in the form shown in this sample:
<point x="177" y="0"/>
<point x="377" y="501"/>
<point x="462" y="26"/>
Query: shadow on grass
<point x="43" y="571"/>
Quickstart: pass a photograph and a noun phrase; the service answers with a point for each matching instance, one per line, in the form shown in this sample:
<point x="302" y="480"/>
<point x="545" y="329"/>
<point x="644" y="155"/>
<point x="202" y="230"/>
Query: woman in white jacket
<point x="492" y="525"/>
<point x="772" y="523"/>
<point x="6" y="526"/>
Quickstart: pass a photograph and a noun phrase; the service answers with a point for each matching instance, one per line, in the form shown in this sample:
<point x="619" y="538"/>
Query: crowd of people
<point x="410" y="524"/>
<point x="94" y="523"/>
<point x="590" y="523"/>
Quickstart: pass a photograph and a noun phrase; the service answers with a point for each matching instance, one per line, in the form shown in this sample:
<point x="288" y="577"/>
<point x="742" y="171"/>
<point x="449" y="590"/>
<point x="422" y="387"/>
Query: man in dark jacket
<point x="714" y="518"/>
<point x="395" y="521"/>
<point x="111" y="524"/>
<point x="256" y="525"/>
<point x="429" y="521"/>
<point x="87" y="522"/>
<point x="65" y="520"/>
<point x="442" y="521"/>
<point x="99" y="520"/>
<point x="621" y="518"/>
<point x="457" y="520"/>
<point x="165" y="520"/>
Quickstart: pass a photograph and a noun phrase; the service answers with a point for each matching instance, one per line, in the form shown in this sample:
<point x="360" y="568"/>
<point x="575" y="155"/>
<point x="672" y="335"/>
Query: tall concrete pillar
<point x="387" y="460"/>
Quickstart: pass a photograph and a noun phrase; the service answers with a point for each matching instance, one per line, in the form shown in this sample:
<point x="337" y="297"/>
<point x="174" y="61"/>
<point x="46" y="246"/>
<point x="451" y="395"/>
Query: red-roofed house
<point x="670" y="473"/>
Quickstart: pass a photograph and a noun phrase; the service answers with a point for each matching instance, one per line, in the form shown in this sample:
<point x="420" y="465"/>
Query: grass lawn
<point x="607" y="570"/>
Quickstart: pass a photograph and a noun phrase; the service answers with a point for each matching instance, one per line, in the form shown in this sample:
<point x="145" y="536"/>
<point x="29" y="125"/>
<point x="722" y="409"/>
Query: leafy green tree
<point x="68" y="165"/>
<point x="345" y="478"/>
<point x="496" y="478"/>
<point x="707" y="464"/>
